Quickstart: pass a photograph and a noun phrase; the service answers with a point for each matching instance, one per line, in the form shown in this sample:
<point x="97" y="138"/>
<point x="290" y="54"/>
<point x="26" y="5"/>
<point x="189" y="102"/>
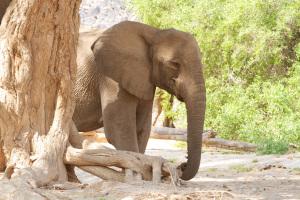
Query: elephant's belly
<point x="89" y="126"/>
<point x="88" y="118"/>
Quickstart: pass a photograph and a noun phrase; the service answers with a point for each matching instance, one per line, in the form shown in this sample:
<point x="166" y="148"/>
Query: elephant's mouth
<point x="179" y="97"/>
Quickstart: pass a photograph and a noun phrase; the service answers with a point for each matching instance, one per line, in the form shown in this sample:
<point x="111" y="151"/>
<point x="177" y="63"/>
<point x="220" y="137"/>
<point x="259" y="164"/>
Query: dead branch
<point x="227" y="144"/>
<point x="99" y="162"/>
<point x="105" y="173"/>
<point x="179" y="134"/>
<point x="209" y="138"/>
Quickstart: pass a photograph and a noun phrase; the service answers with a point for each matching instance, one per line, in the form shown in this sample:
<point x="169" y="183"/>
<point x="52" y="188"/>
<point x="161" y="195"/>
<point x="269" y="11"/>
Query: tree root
<point x="111" y="164"/>
<point x="8" y="171"/>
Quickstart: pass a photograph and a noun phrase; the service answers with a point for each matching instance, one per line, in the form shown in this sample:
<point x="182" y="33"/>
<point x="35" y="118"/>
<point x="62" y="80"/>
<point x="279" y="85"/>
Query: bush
<point x="251" y="54"/>
<point x="265" y="109"/>
<point x="270" y="146"/>
<point x="239" y="39"/>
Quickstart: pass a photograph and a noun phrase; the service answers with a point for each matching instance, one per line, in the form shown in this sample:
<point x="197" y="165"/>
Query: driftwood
<point x="228" y="144"/>
<point x="209" y="138"/>
<point x="123" y="166"/>
<point x="126" y="166"/>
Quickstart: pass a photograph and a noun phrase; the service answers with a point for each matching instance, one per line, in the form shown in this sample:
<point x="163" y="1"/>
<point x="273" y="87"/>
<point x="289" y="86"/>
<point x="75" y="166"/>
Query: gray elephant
<point x="118" y="71"/>
<point x="3" y="5"/>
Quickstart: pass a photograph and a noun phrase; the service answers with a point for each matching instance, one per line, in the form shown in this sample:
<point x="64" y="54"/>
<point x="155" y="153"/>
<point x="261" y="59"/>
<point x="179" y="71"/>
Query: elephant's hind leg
<point x="76" y="141"/>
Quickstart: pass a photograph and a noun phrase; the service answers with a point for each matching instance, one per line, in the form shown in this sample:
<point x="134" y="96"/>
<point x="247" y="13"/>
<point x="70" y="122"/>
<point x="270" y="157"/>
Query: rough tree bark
<point x="38" y="40"/>
<point x="38" y="67"/>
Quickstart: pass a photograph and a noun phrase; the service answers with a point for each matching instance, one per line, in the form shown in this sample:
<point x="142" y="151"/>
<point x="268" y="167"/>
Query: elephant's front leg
<point x="143" y="123"/>
<point x="144" y="118"/>
<point x="119" y="116"/>
<point x="127" y="123"/>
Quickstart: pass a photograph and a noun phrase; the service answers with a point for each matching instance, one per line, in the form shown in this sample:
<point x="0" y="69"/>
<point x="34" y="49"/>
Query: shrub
<point x="251" y="54"/>
<point x="270" y="146"/>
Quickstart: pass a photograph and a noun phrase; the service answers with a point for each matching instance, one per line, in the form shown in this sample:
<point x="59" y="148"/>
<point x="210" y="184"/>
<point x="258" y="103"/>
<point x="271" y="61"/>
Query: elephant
<point x="3" y="5"/>
<point x="118" y="72"/>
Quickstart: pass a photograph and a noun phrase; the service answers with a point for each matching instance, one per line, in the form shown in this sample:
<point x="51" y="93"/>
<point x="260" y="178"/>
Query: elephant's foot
<point x="71" y="174"/>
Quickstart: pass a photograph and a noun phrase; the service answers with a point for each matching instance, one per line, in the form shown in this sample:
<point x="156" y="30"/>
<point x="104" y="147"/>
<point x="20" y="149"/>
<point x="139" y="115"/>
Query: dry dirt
<point x="223" y="175"/>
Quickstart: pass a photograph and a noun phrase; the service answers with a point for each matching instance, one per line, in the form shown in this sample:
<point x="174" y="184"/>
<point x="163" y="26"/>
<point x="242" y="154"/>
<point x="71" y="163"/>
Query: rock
<point x="103" y="14"/>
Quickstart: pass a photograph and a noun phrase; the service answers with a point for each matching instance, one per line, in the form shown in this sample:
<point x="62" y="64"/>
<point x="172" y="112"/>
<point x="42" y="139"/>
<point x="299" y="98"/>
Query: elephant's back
<point x="85" y="42"/>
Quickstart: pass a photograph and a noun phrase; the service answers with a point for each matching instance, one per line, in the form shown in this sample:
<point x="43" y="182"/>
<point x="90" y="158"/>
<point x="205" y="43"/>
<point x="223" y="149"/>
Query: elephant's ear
<point x="122" y="53"/>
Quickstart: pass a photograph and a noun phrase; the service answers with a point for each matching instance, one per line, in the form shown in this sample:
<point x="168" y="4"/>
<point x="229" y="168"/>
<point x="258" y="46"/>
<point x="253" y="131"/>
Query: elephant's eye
<point x="173" y="80"/>
<point x="174" y="65"/>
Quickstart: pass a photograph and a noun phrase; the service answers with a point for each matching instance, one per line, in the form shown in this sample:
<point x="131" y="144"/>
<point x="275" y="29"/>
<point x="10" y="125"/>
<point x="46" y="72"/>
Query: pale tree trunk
<point x="38" y="41"/>
<point x="37" y="71"/>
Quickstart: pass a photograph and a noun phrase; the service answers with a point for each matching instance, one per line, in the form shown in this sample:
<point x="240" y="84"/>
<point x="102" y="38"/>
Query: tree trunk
<point x="38" y="41"/>
<point x="38" y="67"/>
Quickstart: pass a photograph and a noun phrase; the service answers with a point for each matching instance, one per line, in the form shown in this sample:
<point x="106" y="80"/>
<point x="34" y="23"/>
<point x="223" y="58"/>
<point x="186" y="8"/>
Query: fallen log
<point x="103" y="163"/>
<point x="179" y="134"/>
<point x="228" y="144"/>
<point x="209" y="138"/>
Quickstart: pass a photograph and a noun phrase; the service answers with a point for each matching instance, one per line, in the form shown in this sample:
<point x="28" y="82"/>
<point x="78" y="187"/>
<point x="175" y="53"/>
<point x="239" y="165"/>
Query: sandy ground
<point x="223" y="175"/>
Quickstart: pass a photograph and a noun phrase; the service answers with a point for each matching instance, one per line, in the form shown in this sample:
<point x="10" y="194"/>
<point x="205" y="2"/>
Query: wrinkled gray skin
<point x="118" y="71"/>
<point x="3" y="5"/>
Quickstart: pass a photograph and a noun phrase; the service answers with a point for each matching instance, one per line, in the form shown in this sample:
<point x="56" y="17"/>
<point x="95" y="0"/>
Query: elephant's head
<point x="141" y="57"/>
<point x="177" y="69"/>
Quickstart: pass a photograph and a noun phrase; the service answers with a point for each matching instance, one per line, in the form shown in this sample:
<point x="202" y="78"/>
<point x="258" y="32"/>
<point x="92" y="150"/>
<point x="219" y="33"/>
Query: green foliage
<point x="251" y="54"/>
<point x="296" y="171"/>
<point x="177" y="112"/>
<point x="270" y="146"/>
<point x="262" y="110"/>
<point x="239" y="168"/>
<point x="181" y="145"/>
<point x="212" y="170"/>
<point x="239" y="39"/>
<point x="165" y="103"/>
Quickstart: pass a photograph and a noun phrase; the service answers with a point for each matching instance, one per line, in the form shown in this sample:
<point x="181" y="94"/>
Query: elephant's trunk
<point x="195" y="104"/>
